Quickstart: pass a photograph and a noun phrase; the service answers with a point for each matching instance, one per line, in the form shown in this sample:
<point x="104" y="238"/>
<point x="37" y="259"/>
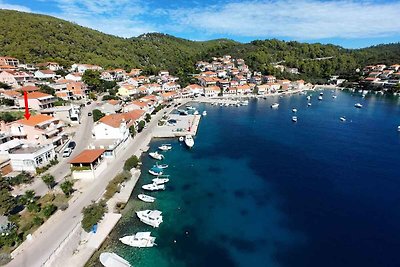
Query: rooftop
<point x="88" y="156"/>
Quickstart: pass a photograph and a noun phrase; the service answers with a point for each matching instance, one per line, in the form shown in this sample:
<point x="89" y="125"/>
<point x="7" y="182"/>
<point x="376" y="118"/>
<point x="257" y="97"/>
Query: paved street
<point x="82" y="136"/>
<point x="48" y="238"/>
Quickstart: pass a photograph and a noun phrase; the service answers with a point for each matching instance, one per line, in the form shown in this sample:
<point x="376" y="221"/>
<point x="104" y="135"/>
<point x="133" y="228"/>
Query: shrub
<point x="48" y="210"/>
<point x="92" y="214"/>
<point x="131" y="163"/>
<point x="115" y="184"/>
<point x="49" y="180"/>
<point x="37" y="220"/>
<point x="97" y="115"/>
<point x="67" y="187"/>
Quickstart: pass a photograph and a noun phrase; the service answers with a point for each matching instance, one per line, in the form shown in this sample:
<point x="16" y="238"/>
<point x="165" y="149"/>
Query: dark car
<point x="72" y="144"/>
<point x="89" y="114"/>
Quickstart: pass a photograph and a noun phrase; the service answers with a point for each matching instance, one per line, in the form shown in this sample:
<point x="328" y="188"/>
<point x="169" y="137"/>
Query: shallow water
<point x="260" y="190"/>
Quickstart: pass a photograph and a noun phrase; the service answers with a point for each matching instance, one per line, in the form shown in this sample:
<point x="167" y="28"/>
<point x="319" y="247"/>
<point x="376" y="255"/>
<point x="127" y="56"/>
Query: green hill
<point x="37" y="38"/>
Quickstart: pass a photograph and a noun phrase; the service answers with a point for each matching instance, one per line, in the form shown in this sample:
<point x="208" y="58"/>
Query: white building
<point x="29" y="158"/>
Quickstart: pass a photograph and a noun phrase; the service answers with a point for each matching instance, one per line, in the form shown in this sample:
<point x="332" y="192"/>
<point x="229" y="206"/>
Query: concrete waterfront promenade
<point x="184" y="125"/>
<point x="49" y="240"/>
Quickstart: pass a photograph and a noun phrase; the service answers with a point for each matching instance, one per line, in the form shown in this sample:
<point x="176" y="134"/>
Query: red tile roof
<point x="88" y="156"/>
<point x="36" y="95"/>
<point x="36" y="119"/>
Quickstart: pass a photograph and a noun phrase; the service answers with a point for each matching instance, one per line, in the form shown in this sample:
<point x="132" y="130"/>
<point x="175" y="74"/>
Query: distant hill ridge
<point x="36" y="38"/>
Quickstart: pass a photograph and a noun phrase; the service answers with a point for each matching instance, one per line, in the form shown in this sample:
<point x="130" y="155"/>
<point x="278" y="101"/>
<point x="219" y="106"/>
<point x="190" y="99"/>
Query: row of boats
<point x="192" y="110"/>
<point x="150" y="217"/>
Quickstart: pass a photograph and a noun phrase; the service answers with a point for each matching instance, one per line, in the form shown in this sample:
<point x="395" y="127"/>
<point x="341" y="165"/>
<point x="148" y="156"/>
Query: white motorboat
<point x="308" y="104"/>
<point x="156" y="171"/>
<point x="181" y="139"/>
<point x="196" y="113"/>
<point x="139" y="240"/>
<point x="189" y="141"/>
<point x="321" y="94"/>
<point x="294" y="110"/>
<point x="398" y="128"/>
<point x="161" y="166"/>
<point x="165" y="147"/>
<point x="343" y="118"/>
<point x="153" y="187"/>
<point x="190" y="107"/>
<point x="159" y="181"/>
<point x="155" y="155"/>
<point x="320" y="98"/>
<point x="204" y="113"/>
<point x="294" y="118"/>
<point x="275" y="105"/>
<point x="146" y="198"/>
<point x="308" y="97"/>
<point x="109" y="259"/>
<point x="245" y="103"/>
<point x="334" y="96"/>
<point x="358" y="105"/>
<point x="150" y="217"/>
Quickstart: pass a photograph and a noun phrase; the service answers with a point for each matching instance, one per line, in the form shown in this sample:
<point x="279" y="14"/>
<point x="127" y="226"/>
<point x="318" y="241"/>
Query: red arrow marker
<point x="27" y="114"/>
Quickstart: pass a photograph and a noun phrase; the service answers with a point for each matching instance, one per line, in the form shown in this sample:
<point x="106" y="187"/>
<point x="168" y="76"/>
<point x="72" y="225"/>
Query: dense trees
<point x="37" y="38"/>
<point x="92" y="214"/>
<point x="97" y="115"/>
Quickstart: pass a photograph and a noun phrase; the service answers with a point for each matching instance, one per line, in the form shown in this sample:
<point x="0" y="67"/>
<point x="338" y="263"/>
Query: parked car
<point x="89" y="114"/>
<point x="71" y="144"/>
<point x="67" y="152"/>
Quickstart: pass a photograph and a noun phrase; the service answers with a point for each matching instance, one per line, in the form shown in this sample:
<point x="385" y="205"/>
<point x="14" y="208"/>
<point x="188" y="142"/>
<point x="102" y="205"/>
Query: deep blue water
<point x="260" y="190"/>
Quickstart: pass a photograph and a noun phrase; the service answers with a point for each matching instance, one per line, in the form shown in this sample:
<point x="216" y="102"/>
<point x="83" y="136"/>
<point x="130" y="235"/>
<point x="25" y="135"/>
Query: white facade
<point x="29" y="158"/>
<point x="44" y="74"/>
<point x="105" y="131"/>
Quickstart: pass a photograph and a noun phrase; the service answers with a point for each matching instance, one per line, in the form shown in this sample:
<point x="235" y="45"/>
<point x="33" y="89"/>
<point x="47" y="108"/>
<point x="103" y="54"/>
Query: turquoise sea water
<point x="260" y="190"/>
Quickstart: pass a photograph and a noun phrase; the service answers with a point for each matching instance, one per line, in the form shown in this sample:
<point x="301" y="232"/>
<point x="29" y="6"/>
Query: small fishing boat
<point x="165" y="147"/>
<point x="308" y="97"/>
<point x="358" y="105"/>
<point x="188" y="107"/>
<point x="343" y="118"/>
<point x="334" y="96"/>
<point x="321" y="94"/>
<point x="146" y="198"/>
<point x="150" y="217"/>
<point x="156" y="171"/>
<point x="155" y="155"/>
<point x="139" y="240"/>
<point x="181" y="139"/>
<point x="161" y="166"/>
<point x="204" y="113"/>
<point x="320" y="98"/>
<point x="398" y="128"/>
<point x="294" y="118"/>
<point x="275" y="105"/>
<point x="153" y="187"/>
<point x="308" y="104"/>
<point x="109" y="259"/>
<point x="196" y="113"/>
<point x="159" y="181"/>
<point x="294" y="110"/>
<point x="189" y="141"/>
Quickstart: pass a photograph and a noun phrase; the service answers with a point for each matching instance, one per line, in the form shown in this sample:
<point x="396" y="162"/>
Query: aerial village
<point x="69" y="133"/>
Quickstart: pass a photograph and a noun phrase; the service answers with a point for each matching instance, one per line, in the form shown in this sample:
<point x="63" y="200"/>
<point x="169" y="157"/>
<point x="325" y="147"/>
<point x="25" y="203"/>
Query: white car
<point x="67" y="152"/>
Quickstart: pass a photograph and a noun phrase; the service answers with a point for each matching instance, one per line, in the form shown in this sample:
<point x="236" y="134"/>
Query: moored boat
<point x="146" y="198"/>
<point x="189" y="141"/>
<point x="343" y="118"/>
<point x="153" y="187"/>
<point x="398" y="128"/>
<point x="294" y="118"/>
<point x="204" y="113"/>
<point x="161" y="166"/>
<point x="109" y="259"/>
<point x="156" y="171"/>
<point x="308" y="104"/>
<point x="139" y="240"/>
<point x="320" y="97"/>
<point x="294" y="110"/>
<point x="156" y="155"/>
<point x="181" y="139"/>
<point x="165" y="147"/>
<point x="195" y="112"/>
<point x="275" y="105"/>
<point x="150" y="217"/>
<point x="159" y="181"/>
<point x="358" y="105"/>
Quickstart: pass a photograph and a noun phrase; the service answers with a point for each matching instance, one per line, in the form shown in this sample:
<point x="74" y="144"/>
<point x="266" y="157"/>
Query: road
<point x="82" y="136"/>
<point x="37" y="252"/>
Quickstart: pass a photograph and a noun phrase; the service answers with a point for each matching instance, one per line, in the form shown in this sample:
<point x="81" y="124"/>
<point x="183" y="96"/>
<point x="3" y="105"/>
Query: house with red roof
<point x="38" y="129"/>
<point x="116" y="126"/>
<point x="89" y="164"/>
<point x="38" y="101"/>
<point x="54" y="66"/>
<point x="9" y="61"/>
<point x="212" y="91"/>
<point x="8" y="78"/>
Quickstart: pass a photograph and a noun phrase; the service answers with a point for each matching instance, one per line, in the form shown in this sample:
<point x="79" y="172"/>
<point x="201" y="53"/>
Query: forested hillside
<point x="37" y="38"/>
